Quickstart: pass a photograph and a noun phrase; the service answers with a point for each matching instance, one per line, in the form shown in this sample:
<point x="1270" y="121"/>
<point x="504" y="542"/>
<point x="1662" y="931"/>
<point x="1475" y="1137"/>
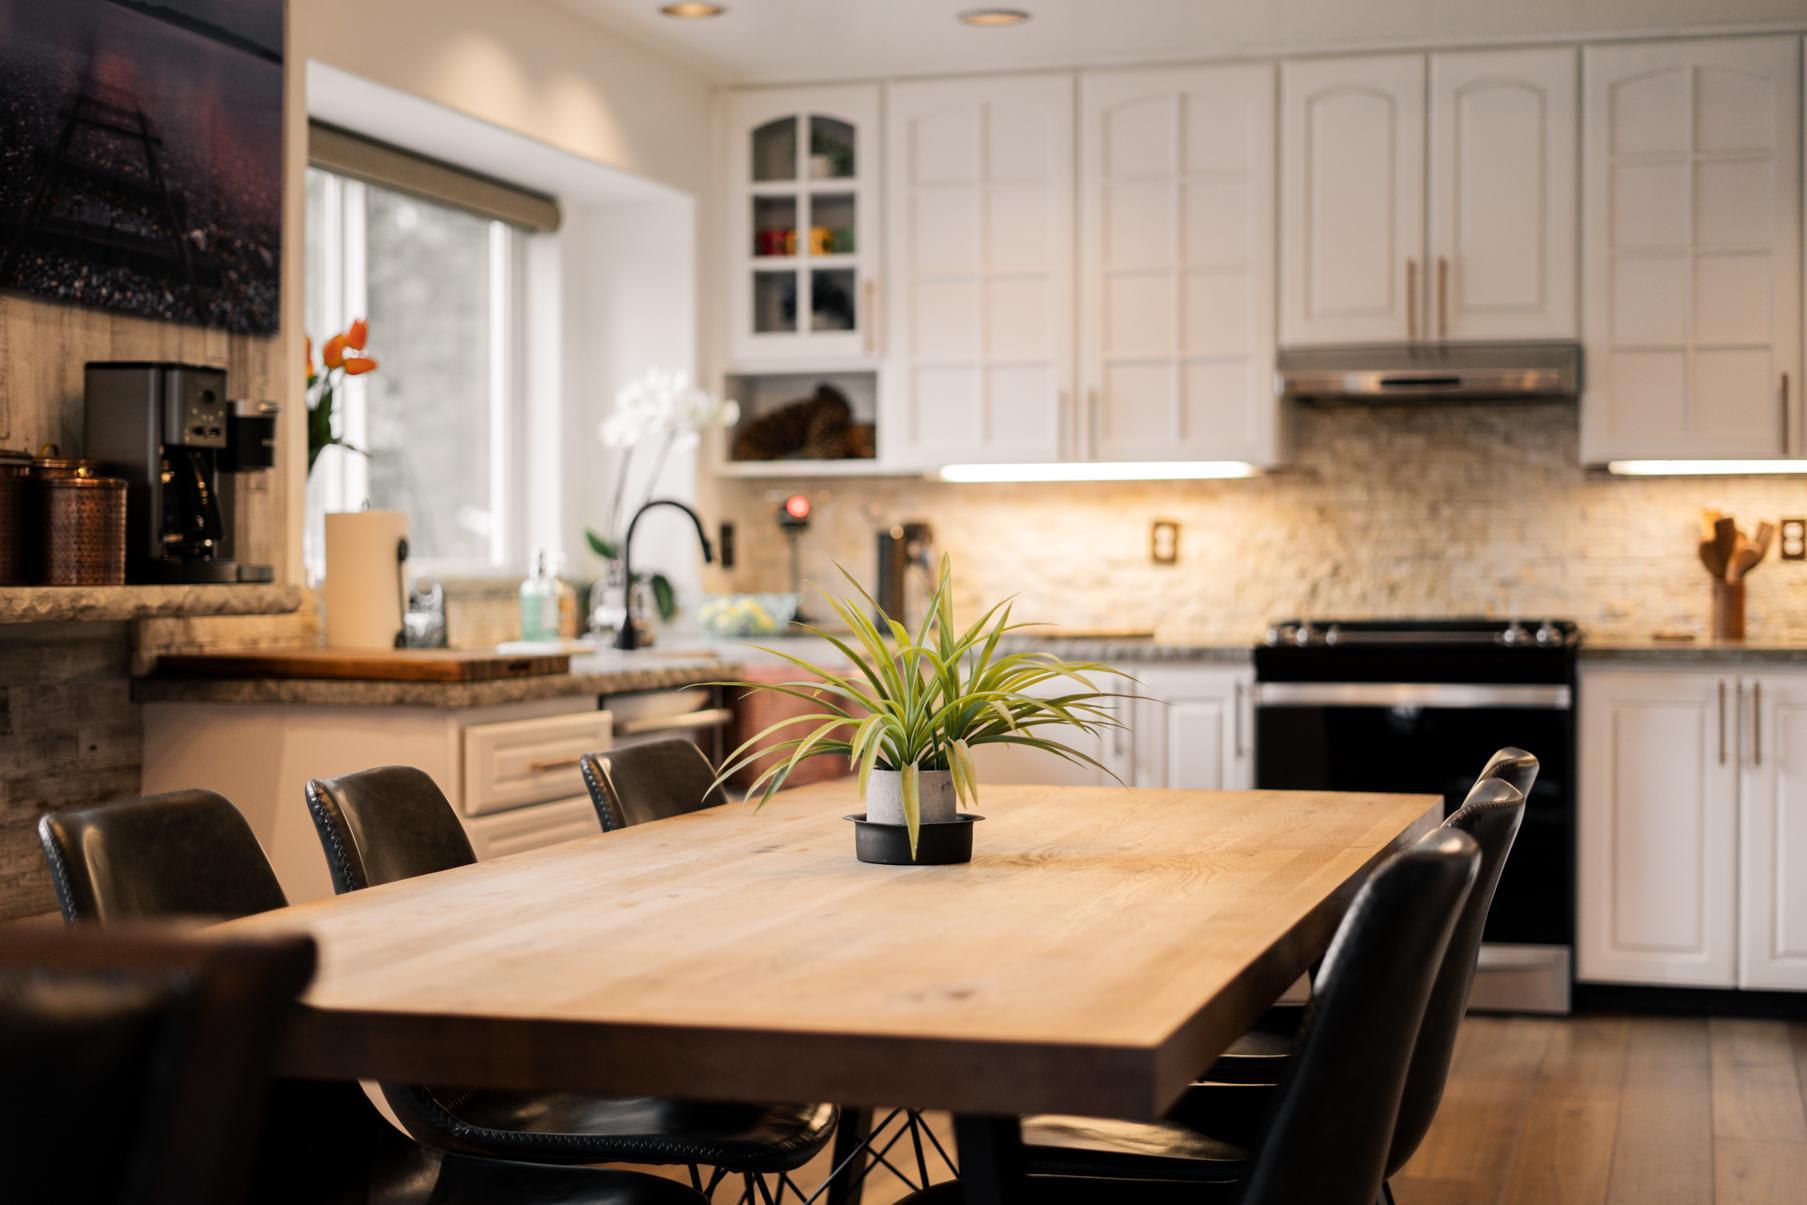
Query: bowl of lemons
<point x="735" y="616"/>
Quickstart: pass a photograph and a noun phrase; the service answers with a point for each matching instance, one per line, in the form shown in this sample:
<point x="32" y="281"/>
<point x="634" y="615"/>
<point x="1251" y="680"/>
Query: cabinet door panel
<point x="802" y="224"/>
<point x="1192" y="728"/>
<point x="1773" y="884"/>
<point x="1691" y="264"/>
<point x="1503" y="195"/>
<point x="1657" y="829"/>
<point x="1177" y="254"/>
<point x="978" y="361"/>
<point x="1352" y="200"/>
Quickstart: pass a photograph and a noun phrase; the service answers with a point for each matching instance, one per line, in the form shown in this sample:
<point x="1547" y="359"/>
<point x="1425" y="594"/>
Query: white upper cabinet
<point x="1691" y="215"/>
<point x="1177" y="269"/>
<point x="803" y="225"/>
<point x="1503" y="195"/>
<point x="1352" y="200"/>
<point x="979" y="363"/>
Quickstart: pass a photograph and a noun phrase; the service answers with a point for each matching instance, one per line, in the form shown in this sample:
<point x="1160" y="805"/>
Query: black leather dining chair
<point x="636" y="784"/>
<point x="1332" y="1123"/>
<point x="1257" y="1056"/>
<point x="191" y="854"/>
<point x="1210" y="1130"/>
<point x="138" y="1058"/>
<point x="391" y="823"/>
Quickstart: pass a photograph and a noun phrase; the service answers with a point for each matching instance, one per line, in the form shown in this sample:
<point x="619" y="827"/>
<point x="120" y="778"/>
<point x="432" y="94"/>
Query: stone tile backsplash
<point x="1441" y="510"/>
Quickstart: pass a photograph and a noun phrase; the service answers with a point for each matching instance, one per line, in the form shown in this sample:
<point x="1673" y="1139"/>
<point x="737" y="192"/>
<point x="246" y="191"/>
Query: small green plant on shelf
<point x="916" y="704"/>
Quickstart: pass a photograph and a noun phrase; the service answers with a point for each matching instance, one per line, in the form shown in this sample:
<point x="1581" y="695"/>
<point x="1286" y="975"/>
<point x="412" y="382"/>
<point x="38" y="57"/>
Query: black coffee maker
<point x="171" y="432"/>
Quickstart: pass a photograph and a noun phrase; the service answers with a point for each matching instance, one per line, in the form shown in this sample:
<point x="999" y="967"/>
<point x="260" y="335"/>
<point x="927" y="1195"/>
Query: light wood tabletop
<point x="1103" y="945"/>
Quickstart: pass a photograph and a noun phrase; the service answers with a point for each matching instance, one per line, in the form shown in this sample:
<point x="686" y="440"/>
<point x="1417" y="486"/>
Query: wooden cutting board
<point x="364" y="665"/>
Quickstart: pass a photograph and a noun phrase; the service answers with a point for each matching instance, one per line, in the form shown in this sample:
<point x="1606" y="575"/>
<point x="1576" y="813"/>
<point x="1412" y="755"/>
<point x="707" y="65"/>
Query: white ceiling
<point x="773" y="41"/>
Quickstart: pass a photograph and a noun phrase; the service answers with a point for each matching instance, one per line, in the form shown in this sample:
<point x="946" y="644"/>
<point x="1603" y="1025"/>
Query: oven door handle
<point x="1446" y="695"/>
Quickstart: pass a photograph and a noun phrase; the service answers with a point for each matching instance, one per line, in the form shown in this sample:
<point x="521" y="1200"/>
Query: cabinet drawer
<point x="532" y="827"/>
<point x="522" y="762"/>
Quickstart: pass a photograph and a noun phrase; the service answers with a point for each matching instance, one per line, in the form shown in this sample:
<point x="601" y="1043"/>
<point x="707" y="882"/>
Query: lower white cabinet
<point x="1692" y="828"/>
<point x="510" y="770"/>
<point x="1194" y="727"/>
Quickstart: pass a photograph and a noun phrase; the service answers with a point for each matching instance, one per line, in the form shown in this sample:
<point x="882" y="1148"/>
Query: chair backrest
<point x="186" y="853"/>
<point x="1491" y="815"/>
<point x="1512" y="766"/>
<point x="139" y="1060"/>
<point x="650" y="781"/>
<point x="1331" y="1130"/>
<point x="382" y="825"/>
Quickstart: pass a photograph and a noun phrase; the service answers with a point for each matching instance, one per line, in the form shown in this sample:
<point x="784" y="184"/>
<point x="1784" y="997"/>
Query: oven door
<point x="1433" y="738"/>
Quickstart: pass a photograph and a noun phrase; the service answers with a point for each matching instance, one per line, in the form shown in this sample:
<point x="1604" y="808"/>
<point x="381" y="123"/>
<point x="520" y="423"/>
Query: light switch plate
<point x="1164" y="542"/>
<point x="1792" y="544"/>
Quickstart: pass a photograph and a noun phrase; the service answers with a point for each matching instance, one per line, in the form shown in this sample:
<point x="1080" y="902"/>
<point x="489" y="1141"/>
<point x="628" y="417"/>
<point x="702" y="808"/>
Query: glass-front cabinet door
<point x="803" y="225"/>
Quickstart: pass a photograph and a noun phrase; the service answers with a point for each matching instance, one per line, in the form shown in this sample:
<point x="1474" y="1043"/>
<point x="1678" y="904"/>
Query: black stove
<point x="1417" y="706"/>
<point x="1419" y="650"/>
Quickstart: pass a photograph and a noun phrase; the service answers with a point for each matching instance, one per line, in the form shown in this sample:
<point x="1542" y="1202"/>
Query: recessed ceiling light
<point x="994" y="18"/>
<point x="693" y="11"/>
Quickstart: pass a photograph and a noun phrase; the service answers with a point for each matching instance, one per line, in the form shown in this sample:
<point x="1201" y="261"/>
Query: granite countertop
<point x="1676" y="652"/>
<point x="86" y="604"/>
<point x="602" y="673"/>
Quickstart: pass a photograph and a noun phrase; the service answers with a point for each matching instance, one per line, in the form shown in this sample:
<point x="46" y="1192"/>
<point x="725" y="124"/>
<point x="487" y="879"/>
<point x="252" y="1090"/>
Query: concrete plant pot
<point x="934" y="790"/>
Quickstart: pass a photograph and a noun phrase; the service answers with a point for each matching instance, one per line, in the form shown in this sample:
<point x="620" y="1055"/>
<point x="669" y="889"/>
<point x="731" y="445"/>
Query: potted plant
<point x="911" y="709"/>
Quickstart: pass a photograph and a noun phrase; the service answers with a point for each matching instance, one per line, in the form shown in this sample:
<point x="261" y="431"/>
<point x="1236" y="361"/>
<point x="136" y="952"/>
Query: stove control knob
<point x="1279" y="634"/>
<point x="1548" y="635"/>
<point x="1333" y="634"/>
<point x="1515" y="635"/>
<point x="1305" y="635"/>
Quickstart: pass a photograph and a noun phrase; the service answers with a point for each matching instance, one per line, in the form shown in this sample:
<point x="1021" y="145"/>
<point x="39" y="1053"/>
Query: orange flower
<point x="333" y="354"/>
<point x="356" y="334"/>
<point x="359" y="365"/>
<point x="310" y="358"/>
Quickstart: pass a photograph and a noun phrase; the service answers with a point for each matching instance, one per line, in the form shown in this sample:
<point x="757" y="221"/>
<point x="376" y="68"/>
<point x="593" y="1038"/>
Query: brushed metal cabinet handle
<point x="557" y="763"/>
<point x="1722" y="721"/>
<point x="1756" y="723"/>
<point x="1091" y="423"/>
<point x="1786" y="447"/>
<point x="1236" y="719"/>
<point x="1411" y="299"/>
<point x="1442" y="297"/>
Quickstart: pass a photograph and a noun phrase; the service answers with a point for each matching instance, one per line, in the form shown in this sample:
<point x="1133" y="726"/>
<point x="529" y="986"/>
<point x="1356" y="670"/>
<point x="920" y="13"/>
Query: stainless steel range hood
<point x="1431" y="372"/>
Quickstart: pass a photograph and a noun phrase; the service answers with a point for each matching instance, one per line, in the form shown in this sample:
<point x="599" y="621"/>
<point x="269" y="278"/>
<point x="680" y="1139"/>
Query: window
<point x="444" y="292"/>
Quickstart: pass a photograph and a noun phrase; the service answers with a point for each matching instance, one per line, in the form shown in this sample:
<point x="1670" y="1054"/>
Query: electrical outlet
<point x="1164" y="542"/>
<point x="724" y="546"/>
<point x="1793" y="541"/>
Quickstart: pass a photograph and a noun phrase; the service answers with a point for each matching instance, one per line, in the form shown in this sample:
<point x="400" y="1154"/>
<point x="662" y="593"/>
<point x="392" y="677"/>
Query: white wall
<point x="630" y="275"/>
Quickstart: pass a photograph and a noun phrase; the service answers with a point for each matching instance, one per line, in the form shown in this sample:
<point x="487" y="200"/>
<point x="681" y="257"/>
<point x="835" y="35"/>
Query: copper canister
<point x="15" y="491"/>
<point x="81" y="530"/>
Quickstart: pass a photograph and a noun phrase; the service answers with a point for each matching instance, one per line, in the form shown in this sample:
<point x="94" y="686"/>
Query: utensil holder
<point x="1728" y="610"/>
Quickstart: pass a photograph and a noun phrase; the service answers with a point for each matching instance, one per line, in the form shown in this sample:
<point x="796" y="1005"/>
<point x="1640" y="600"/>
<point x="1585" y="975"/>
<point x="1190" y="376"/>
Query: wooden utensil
<point x="1708" y="517"/>
<point x="1709" y="556"/>
<point x="1766" y="535"/>
<point x="1749" y="552"/>
<point x="1725" y="541"/>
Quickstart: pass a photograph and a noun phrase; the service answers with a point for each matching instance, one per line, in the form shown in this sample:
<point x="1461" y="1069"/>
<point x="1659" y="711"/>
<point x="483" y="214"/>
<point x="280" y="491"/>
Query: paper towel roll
<point x="365" y="576"/>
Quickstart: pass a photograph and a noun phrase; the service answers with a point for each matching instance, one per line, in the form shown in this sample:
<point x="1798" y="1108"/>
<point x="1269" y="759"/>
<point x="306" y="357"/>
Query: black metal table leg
<point x="991" y="1159"/>
<point x="849" y="1136"/>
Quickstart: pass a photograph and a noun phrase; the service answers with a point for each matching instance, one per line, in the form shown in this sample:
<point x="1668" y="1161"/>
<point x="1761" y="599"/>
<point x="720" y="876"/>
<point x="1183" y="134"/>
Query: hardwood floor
<point x="1599" y="1111"/>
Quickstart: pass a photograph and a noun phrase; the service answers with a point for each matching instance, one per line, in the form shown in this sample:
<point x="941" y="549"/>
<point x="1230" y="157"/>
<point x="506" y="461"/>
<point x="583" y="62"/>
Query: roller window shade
<point x="348" y="154"/>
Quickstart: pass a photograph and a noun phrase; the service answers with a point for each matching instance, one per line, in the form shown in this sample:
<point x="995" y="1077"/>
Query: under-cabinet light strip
<point x="1707" y="468"/>
<point x="1144" y="470"/>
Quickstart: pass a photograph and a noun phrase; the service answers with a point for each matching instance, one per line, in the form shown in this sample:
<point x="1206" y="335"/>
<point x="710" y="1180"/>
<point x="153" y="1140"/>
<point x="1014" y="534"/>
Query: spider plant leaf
<point x="960" y="760"/>
<point x="868" y="760"/>
<point x="912" y="804"/>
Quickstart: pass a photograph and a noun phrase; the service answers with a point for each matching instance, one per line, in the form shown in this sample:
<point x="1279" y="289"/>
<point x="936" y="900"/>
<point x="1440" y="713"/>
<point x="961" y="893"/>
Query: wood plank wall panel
<point x="69" y="734"/>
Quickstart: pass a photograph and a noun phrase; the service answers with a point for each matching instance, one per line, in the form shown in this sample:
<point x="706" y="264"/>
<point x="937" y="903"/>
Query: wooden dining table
<point x="1101" y="948"/>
